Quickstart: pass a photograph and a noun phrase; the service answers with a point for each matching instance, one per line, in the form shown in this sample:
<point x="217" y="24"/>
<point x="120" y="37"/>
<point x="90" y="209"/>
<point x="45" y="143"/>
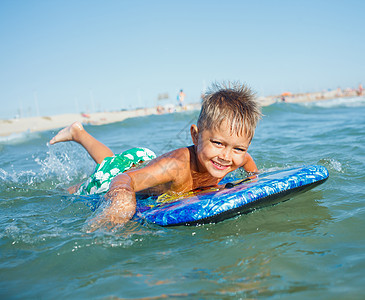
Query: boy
<point x="223" y="133"/>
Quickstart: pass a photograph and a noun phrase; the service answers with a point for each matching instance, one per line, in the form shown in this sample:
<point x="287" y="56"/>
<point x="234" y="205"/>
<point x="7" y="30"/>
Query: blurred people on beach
<point x="360" y="90"/>
<point x="180" y="98"/>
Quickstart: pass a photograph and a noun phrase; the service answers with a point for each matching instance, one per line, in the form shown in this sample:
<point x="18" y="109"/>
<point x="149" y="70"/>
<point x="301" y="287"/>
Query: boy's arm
<point x="170" y="167"/>
<point x="249" y="164"/>
<point x="123" y="187"/>
<point x="122" y="201"/>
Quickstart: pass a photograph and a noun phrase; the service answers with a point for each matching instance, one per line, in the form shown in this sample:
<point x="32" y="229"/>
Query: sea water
<point x="312" y="246"/>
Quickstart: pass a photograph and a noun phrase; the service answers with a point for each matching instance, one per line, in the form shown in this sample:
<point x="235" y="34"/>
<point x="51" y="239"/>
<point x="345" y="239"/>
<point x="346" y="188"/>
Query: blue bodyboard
<point x="233" y="197"/>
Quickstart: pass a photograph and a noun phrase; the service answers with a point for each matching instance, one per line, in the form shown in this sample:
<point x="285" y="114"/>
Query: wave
<point x="19" y="138"/>
<point x="331" y="103"/>
<point x="337" y="102"/>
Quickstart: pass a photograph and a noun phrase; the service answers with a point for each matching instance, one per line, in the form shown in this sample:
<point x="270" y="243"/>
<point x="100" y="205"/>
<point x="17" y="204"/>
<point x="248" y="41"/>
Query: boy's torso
<point x="187" y="177"/>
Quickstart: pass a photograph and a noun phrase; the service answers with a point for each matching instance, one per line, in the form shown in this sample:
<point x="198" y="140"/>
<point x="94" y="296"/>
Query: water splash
<point x="59" y="166"/>
<point x="332" y="164"/>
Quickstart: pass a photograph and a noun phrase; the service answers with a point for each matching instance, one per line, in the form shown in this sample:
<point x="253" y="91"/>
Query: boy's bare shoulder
<point x="178" y="162"/>
<point x="170" y="171"/>
<point x="174" y="169"/>
<point x="180" y="153"/>
<point x="178" y="157"/>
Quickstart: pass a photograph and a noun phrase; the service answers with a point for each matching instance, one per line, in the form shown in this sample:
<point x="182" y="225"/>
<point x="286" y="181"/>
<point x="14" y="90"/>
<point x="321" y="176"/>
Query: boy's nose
<point x="225" y="155"/>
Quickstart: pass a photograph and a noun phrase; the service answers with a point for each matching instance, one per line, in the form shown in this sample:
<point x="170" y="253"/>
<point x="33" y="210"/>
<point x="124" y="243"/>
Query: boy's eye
<point x="217" y="143"/>
<point x="240" y="149"/>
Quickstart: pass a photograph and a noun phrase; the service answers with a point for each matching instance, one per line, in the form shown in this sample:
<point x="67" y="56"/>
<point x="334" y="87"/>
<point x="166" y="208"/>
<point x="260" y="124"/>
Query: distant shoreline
<point x="35" y="124"/>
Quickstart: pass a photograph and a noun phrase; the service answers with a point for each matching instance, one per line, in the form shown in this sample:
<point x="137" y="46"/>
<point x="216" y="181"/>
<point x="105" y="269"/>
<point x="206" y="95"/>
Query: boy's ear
<point x="194" y="134"/>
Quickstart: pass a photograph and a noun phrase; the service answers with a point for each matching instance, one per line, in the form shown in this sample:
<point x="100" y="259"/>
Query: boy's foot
<point x="67" y="134"/>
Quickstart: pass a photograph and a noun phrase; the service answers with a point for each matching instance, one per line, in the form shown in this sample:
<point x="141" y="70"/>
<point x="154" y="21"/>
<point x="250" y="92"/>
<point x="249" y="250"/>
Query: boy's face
<point x="218" y="151"/>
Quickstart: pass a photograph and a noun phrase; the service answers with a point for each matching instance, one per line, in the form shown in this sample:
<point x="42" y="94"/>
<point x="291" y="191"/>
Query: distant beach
<point x="34" y="124"/>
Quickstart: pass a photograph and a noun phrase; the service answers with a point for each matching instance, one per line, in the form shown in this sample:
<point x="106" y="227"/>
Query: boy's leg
<point x="73" y="189"/>
<point x="76" y="132"/>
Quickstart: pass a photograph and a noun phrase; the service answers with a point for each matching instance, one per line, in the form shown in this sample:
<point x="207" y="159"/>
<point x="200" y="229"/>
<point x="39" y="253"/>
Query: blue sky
<point x="71" y="56"/>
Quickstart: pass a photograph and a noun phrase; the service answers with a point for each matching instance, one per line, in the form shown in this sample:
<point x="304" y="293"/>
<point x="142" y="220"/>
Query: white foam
<point x="61" y="166"/>
<point x="332" y="164"/>
<point x="337" y="102"/>
<point x="22" y="176"/>
<point x="18" y="138"/>
<point x="65" y="162"/>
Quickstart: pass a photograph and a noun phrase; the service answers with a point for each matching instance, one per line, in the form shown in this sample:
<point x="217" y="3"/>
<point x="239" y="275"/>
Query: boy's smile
<point x="219" y="151"/>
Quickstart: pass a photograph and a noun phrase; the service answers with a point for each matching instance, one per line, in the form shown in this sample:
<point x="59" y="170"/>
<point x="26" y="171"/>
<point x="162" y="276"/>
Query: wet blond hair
<point x="232" y="102"/>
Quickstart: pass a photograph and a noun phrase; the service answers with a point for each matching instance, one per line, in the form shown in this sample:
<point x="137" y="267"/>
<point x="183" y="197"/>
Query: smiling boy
<point x="221" y="138"/>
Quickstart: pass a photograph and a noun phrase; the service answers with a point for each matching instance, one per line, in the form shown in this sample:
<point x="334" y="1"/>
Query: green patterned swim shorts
<point x="99" y="181"/>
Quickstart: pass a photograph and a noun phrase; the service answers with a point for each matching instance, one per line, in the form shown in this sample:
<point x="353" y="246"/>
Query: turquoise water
<point x="310" y="246"/>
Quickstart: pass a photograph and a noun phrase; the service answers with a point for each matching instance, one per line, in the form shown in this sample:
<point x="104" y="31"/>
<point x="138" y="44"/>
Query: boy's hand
<point x="121" y="208"/>
<point x="249" y="165"/>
